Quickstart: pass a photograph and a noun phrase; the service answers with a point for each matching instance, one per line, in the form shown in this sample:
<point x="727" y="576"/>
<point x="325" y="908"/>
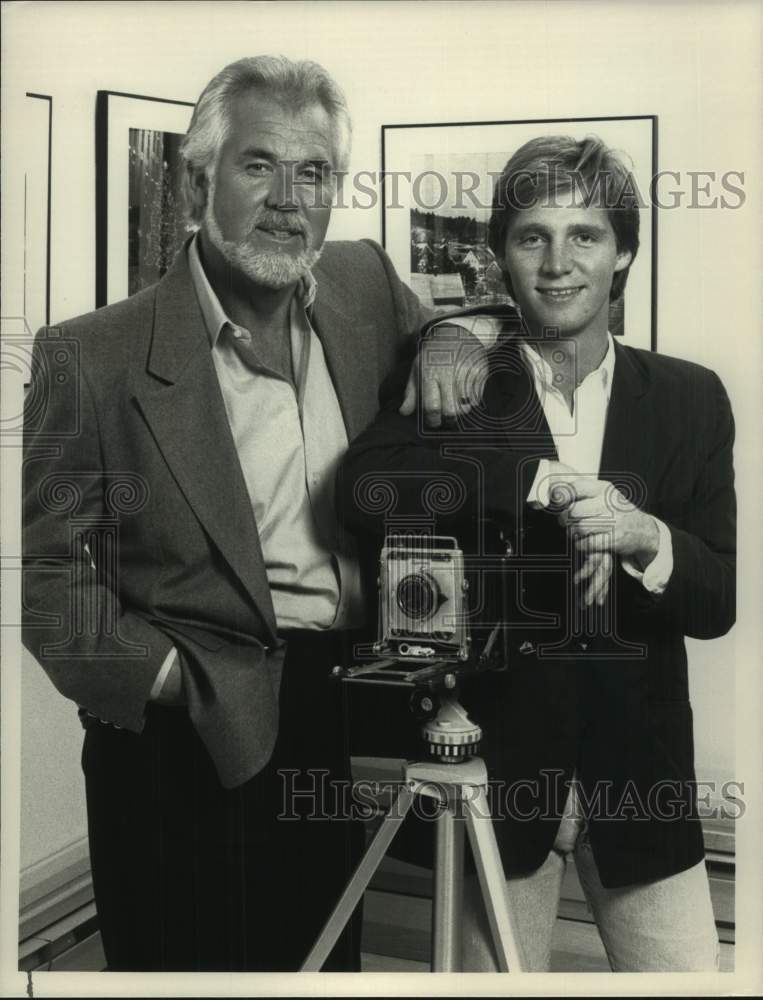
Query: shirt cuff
<point x="539" y="491"/>
<point x="657" y="574"/>
<point x="161" y="677"/>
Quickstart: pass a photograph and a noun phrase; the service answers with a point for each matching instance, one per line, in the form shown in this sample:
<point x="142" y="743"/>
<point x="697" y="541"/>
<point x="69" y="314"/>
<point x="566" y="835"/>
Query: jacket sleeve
<point x="399" y="474"/>
<point x="95" y="651"/>
<point x="700" y="596"/>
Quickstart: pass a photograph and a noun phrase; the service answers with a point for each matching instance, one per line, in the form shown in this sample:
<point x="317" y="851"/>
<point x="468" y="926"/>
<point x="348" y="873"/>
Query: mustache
<point x="289" y="222"/>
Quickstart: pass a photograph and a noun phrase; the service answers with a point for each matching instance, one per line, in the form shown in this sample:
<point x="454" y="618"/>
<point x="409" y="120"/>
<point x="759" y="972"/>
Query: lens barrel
<point x="418" y="596"/>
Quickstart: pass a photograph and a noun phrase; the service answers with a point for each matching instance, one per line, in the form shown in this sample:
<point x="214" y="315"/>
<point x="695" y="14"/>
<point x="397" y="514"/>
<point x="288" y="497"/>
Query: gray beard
<point x="271" y="268"/>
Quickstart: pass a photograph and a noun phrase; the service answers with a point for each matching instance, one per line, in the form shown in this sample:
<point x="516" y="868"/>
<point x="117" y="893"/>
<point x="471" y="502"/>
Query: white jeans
<point x="662" y="926"/>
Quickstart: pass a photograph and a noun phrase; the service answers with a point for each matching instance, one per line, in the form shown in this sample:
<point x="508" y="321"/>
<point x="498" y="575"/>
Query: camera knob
<point x="424" y="705"/>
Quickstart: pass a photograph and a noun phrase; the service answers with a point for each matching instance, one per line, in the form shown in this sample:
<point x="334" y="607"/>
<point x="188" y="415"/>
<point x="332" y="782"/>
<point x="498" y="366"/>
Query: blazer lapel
<point x="510" y="396"/>
<point x="350" y="348"/>
<point x="626" y="456"/>
<point x="186" y="414"/>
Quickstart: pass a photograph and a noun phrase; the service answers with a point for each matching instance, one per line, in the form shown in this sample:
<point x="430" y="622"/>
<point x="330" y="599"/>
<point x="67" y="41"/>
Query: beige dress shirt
<point x="289" y="444"/>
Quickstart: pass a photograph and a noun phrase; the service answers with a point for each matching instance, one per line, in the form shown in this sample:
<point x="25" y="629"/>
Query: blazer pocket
<point x="200" y="636"/>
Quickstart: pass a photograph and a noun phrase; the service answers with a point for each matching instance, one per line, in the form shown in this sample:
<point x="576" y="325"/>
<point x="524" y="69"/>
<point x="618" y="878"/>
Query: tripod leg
<point x="502" y="921"/>
<point x="359" y="881"/>
<point x="447" y="898"/>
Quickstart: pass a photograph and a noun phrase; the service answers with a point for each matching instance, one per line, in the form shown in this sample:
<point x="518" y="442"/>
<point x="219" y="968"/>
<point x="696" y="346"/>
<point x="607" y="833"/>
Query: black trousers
<point x="190" y="876"/>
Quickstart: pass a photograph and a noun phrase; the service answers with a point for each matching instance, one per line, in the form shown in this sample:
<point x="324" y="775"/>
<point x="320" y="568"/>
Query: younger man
<point x="588" y="733"/>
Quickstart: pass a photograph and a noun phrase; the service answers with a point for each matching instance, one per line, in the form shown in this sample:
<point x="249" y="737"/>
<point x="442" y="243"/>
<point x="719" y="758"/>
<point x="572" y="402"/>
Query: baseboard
<point x="57" y="921"/>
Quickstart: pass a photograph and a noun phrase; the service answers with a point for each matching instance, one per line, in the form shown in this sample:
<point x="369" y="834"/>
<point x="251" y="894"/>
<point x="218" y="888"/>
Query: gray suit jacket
<point x="138" y="531"/>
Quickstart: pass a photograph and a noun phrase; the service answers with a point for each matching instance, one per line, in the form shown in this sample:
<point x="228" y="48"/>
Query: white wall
<point x="696" y="66"/>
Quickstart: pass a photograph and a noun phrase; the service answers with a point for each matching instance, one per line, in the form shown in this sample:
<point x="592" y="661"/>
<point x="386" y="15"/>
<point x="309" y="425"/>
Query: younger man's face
<point x="561" y="259"/>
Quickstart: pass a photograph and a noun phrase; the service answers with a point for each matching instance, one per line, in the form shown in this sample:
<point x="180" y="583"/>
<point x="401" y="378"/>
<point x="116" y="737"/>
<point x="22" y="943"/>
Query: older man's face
<point x="269" y="202"/>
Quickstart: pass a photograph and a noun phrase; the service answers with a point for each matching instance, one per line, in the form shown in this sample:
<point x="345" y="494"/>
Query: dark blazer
<point x="604" y="696"/>
<point x="138" y="532"/>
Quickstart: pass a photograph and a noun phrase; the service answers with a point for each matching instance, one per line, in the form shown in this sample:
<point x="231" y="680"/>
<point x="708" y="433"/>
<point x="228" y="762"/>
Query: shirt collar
<point x="215" y="317"/>
<point x="543" y="373"/>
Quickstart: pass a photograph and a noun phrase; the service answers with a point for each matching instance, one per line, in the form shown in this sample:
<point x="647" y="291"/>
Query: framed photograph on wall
<point x="138" y="208"/>
<point x="438" y="189"/>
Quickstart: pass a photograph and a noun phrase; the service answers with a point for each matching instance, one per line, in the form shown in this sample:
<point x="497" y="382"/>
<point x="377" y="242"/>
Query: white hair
<point x="297" y="83"/>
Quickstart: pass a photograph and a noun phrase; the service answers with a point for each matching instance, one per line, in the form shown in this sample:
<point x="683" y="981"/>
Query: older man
<point x="187" y="583"/>
<point x="588" y="732"/>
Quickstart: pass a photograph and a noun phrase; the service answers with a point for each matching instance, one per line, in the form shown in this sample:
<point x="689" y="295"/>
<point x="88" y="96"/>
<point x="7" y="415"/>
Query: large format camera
<point x="422" y="590"/>
<point x="425" y="643"/>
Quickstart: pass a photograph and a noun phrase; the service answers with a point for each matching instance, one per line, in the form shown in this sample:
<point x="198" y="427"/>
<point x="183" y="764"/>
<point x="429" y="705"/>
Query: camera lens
<point x="417" y="596"/>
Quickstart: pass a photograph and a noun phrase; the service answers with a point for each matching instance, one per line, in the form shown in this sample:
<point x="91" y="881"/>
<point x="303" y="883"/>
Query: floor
<point x="396" y="938"/>
<point x="403" y="946"/>
<point x="577" y="948"/>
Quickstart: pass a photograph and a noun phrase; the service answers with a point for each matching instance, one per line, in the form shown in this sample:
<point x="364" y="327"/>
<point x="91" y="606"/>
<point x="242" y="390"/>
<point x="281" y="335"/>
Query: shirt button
<point x="237" y="334"/>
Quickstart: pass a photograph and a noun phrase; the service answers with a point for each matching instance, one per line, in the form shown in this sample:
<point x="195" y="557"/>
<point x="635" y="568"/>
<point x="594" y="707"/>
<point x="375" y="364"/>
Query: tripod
<point x="458" y="780"/>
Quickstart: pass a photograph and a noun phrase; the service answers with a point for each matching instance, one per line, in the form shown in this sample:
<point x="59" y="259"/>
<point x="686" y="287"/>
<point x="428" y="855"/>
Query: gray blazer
<point x="138" y="532"/>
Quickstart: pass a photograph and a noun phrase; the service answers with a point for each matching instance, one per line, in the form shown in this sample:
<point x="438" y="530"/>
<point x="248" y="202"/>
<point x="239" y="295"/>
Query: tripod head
<point x="451" y="736"/>
<point x="448" y="733"/>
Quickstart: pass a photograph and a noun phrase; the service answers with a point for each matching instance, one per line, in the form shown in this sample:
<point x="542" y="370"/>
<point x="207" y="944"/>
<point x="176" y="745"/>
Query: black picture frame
<point x="116" y="114"/>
